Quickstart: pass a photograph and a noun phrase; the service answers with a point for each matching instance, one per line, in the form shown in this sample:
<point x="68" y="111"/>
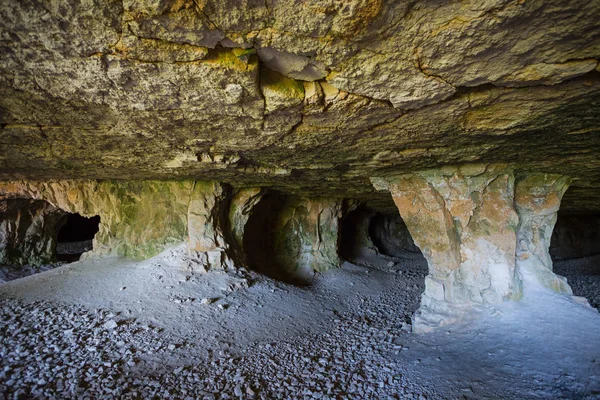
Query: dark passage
<point x="575" y="251"/>
<point x="259" y="237"/>
<point x="75" y="237"/>
<point x="391" y="236"/>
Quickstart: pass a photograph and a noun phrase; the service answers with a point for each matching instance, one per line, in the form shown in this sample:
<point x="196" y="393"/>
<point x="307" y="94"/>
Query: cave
<point x="352" y="199"/>
<point x="391" y="236"/>
<point x="575" y="251"/>
<point x="75" y="236"/>
<point x="259" y="237"/>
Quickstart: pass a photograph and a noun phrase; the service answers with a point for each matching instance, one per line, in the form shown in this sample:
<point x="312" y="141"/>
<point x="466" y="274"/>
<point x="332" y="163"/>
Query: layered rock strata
<point x="478" y="233"/>
<point x="311" y="99"/>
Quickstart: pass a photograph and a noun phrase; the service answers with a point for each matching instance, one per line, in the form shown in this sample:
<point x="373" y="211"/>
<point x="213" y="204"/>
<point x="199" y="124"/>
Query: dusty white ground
<point x="109" y="328"/>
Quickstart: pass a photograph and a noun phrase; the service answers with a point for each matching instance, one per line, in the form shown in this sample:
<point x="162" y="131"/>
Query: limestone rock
<point x="306" y="232"/>
<point x="28" y="231"/>
<point x="463" y="220"/>
<point x="170" y="90"/>
<point x="537" y="200"/>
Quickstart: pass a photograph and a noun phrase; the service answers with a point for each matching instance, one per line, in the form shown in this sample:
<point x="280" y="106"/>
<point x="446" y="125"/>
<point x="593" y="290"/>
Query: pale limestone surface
<point x="537" y="200"/>
<point x="483" y="235"/>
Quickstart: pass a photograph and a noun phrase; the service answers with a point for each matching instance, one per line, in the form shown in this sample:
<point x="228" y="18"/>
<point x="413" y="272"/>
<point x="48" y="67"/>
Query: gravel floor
<point x="51" y="351"/>
<point x="345" y="337"/>
<point x="583" y="276"/>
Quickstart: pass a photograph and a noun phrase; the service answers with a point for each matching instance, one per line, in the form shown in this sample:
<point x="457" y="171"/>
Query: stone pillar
<point x="537" y="200"/>
<point x="464" y="222"/>
<point x="28" y="231"/>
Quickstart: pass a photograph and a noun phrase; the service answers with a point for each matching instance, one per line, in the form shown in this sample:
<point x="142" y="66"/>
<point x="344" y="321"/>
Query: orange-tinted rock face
<point x="480" y="235"/>
<point x="464" y="222"/>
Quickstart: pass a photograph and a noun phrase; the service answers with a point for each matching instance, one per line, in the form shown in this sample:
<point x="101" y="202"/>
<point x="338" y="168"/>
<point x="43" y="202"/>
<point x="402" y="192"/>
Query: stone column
<point x="464" y="222"/>
<point x="537" y="200"/>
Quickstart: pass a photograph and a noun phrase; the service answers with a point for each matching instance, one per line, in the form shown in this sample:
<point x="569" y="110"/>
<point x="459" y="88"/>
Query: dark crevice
<point x="75" y="236"/>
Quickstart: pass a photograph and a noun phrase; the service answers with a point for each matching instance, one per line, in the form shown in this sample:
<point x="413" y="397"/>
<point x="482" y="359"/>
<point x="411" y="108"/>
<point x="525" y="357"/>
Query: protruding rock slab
<point x="537" y="200"/>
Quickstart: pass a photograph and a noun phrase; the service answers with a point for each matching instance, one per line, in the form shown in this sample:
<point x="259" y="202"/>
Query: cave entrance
<point x="370" y="237"/>
<point x="381" y="241"/>
<point x="354" y="243"/>
<point x="75" y="236"/>
<point x="575" y="252"/>
<point x="391" y="236"/>
<point x="260" y="235"/>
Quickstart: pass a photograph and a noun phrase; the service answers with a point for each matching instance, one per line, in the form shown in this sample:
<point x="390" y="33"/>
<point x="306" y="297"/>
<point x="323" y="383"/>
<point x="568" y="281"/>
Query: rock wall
<point x="307" y="236"/>
<point x="137" y="219"/>
<point x="291" y="238"/>
<point x="479" y="233"/>
<point x="297" y="236"/>
<point x="28" y="231"/>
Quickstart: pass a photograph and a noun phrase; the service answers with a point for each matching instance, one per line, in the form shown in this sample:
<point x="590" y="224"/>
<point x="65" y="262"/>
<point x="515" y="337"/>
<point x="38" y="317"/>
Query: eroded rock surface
<point x="464" y="222"/>
<point x="28" y="231"/>
<point x="481" y="234"/>
<point x="537" y="200"/>
<point x="330" y="93"/>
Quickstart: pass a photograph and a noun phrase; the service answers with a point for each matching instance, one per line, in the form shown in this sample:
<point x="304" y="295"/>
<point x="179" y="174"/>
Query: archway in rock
<point x="575" y="251"/>
<point x="391" y="236"/>
<point x="354" y="243"/>
<point x="35" y="234"/>
<point x="362" y="232"/>
<point x="259" y="236"/>
<point x="75" y="236"/>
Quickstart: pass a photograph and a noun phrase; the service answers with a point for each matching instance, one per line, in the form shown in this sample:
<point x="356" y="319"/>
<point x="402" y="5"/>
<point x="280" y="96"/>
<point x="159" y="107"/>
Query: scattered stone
<point x="110" y="324"/>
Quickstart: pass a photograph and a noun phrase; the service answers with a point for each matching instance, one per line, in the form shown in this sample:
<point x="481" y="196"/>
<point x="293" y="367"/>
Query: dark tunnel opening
<point x="575" y="252"/>
<point x="391" y="237"/>
<point x="75" y="236"/>
<point x="260" y="237"/>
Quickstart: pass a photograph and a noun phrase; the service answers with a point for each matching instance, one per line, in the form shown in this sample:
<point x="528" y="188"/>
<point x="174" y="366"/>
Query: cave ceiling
<point x="310" y="97"/>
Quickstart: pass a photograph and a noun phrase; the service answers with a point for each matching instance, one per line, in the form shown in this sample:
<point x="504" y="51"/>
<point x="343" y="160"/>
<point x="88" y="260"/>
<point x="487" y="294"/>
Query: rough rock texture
<point x="240" y="209"/>
<point x="289" y="237"/>
<point x="391" y="236"/>
<point x="537" y="200"/>
<point x="575" y="236"/>
<point x="328" y="93"/>
<point x="483" y="235"/>
<point x="205" y="225"/>
<point x="306" y="237"/>
<point x="28" y="231"/>
<point x="137" y="219"/>
<point x="292" y="237"/>
<point x="464" y="222"/>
